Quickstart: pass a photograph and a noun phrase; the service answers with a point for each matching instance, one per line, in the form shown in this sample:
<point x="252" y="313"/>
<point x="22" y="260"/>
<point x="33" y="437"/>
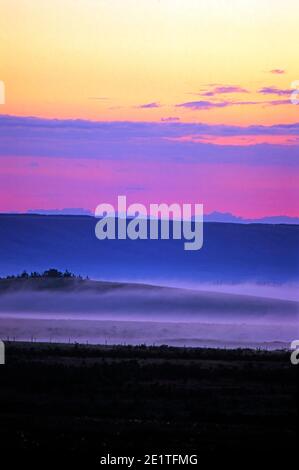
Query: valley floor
<point x="87" y="401"/>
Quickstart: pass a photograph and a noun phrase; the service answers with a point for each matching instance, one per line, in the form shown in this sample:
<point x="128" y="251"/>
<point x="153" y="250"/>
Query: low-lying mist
<point x="137" y="314"/>
<point x="146" y="303"/>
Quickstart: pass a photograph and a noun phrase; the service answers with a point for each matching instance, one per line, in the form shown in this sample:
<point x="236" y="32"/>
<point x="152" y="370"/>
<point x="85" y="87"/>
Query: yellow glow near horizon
<point x="100" y="59"/>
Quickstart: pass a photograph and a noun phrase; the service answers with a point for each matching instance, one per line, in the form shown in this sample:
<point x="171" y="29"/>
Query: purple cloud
<point x="277" y="102"/>
<point x="142" y="141"/>
<point x="202" y="104"/>
<point x="149" y="105"/>
<point x="207" y="105"/>
<point x="30" y="127"/>
<point x="222" y="89"/>
<point x="272" y="90"/>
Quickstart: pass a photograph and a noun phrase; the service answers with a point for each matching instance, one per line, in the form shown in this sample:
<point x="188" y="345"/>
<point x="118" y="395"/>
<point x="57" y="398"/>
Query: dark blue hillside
<point x="231" y="252"/>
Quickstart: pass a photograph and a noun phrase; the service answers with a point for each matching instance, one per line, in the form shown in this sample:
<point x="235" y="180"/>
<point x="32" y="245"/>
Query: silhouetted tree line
<point x="51" y="273"/>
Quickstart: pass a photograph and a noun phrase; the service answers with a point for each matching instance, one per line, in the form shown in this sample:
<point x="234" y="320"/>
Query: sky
<point x="185" y="101"/>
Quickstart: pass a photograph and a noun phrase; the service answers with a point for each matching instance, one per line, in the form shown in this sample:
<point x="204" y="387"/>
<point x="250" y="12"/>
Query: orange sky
<point x="102" y="59"/>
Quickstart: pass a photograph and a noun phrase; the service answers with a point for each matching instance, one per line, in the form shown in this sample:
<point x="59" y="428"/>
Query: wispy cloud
<point x="203" y="104"/>
<point x="206" y="105"/>
<point x="242" y="140"/>
<point x="272" y="90"/>
<point x="147" y="141"/>
<point x="278" y="102"/>
<point x="277" y="71"/>
<point x="154" y="104"/>
<point x="223" y="89"/>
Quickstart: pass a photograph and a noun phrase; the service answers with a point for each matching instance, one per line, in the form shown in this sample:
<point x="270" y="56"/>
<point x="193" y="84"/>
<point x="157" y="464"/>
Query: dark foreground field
<point x="93" y="400"/>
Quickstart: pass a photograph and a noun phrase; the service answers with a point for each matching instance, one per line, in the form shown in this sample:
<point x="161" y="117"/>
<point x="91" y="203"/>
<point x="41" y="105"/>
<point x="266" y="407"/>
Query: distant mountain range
<point x="212" y="217"/>
<point x="230" y="218"/>
<point x="231" y="253"/>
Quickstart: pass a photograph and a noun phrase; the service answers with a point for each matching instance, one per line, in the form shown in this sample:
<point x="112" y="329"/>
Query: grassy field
<point x="88" y="401"/>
